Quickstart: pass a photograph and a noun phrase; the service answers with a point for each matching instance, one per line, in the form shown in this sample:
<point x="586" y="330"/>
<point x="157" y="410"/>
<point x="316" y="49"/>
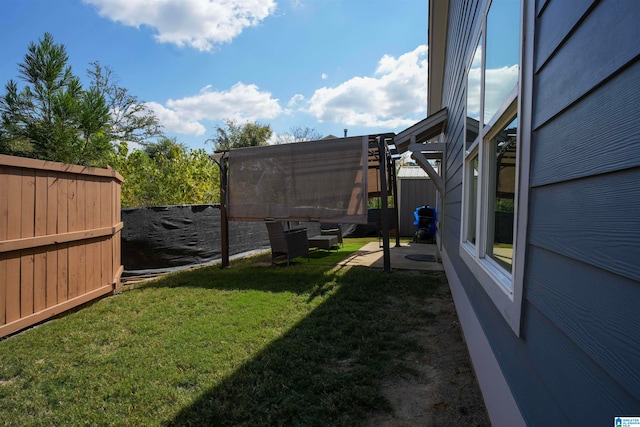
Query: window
<point x="474" y="94"/>
<point x="501" y="67"/>
<point x="472" y="185"/>
<point x="492" y="155"/>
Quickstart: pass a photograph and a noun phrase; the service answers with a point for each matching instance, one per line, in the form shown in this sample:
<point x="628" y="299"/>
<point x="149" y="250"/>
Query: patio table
<point x="323" y="242"/>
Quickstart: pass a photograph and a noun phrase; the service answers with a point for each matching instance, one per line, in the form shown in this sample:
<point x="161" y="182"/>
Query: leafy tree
<point x="236" y="135"/>
<point x="131" y="119"/>
<point x="165" y="146"/>
<point x="166" y="173"/>
<point x="52" y="117"/>
<point x="298" y="134"/>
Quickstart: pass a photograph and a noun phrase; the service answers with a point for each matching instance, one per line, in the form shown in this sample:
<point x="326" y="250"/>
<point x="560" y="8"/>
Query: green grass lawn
<point x="334" y="256"/>
<point x="252" y="344"/>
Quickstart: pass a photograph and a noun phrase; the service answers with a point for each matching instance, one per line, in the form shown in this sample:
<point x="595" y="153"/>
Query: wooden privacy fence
<point x="59" y="238"/>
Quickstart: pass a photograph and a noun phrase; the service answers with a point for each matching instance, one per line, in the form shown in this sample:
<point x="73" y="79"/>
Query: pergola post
<point x="394" y="189"/>
<point x="224" y="220"/>
<point x="384" y="195"/>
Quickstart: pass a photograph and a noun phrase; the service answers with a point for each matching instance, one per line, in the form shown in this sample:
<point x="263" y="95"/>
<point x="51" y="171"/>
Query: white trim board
<point x="501" y="406"/>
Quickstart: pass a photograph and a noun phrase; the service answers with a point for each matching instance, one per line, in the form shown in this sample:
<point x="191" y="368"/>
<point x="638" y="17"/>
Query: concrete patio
<point x="408" y="256"/>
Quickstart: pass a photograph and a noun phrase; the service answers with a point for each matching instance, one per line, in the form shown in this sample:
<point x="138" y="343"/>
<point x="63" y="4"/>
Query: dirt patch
<point x="439" y="386"/>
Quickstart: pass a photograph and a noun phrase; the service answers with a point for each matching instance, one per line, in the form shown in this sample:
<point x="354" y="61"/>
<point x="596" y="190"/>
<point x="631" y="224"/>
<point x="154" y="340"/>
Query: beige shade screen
<point x="374" y="182"/>
<point x="322" y="180"/>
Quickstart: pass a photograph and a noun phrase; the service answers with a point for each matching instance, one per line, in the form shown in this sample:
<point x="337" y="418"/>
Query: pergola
<point x="327" y="180"/>
<point x="417" y="139"/>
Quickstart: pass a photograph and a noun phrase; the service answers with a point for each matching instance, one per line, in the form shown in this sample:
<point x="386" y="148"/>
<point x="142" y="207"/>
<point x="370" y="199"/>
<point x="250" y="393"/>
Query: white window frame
<point x="505" y="289"/>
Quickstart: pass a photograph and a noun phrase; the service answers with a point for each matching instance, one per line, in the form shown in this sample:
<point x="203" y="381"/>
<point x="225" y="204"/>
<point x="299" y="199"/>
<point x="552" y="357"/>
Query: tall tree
<point x="52" y="117"/>
<point x="235" y="135"/>
<point x="166" y="173"/>
<point x="131" y="119"/>
<point x="299" y="134"/>
<point x="166" y="147"/>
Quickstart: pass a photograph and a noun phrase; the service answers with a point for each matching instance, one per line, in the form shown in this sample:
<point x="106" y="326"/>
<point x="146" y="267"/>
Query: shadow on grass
<point x="331" y="257"/>
<point x="303" y="276"/>
<point x="327" y="369"/>
<point x="254" y="273"/>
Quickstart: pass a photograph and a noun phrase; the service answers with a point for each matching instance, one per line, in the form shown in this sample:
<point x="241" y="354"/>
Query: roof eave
<point x="437" y="42"/>
<point x="422" y="131"/>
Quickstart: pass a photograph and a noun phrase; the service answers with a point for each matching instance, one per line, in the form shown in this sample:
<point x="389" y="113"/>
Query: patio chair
<point x="289" y="243"/>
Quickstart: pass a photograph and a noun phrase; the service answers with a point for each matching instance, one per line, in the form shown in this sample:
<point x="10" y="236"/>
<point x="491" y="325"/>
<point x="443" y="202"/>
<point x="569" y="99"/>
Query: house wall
<point x="576" y="361"/>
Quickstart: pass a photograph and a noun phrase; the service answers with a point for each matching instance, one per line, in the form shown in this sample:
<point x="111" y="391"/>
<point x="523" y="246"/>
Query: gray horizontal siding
<point x="584" y="392"/>
<point x="540" y="5"/>
<point x="560" y="18"/>
<point x="606" y="41"/>
<point x="462" y="15"/>
<point x="529" y="387"/>
<point x="594" y="309"/>
<point x="455" y="178"/>
<point x="450" y="229"/>
<point x="599" y="134"/>
<point x="581" y="284"/>
<point x="454" y="195"/>
<point x="461" y="27"/>
<point x="594" y="220"/>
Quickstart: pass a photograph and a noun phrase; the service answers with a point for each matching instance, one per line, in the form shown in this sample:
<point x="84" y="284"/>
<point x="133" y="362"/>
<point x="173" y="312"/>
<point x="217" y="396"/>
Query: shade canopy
<point x="322" y="180"/>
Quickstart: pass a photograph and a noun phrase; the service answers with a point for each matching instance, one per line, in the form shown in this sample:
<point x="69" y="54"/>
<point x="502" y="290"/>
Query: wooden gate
<point x="59" y="238"/>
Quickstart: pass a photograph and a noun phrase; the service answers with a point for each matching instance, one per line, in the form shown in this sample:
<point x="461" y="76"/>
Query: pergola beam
<point x="431" y="150"/>
<point x="424" y="164"/>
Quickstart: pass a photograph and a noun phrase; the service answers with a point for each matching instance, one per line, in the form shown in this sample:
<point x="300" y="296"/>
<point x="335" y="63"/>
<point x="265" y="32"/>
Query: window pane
<point x="472" y="201"/>
<point x="473" y="95"/>
<point x="502" y="170"/>
<point x="502" y="56"/>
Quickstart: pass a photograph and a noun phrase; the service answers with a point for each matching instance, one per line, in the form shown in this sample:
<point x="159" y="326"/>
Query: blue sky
<point x="323" y="64"/>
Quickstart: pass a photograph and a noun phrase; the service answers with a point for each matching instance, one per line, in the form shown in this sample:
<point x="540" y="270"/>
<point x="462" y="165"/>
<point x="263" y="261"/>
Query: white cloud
<point x="324" y="76"/>
<point x="244" y="103"/>
<point x="201" y="24"/>
<point x="395" y="96"/>
<point x="295" y="100"/>
<point x="473" y="92"/>
<point x="498" y="83"/>
<point x="176" y="121"/>
<point x="277" y="139"/>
